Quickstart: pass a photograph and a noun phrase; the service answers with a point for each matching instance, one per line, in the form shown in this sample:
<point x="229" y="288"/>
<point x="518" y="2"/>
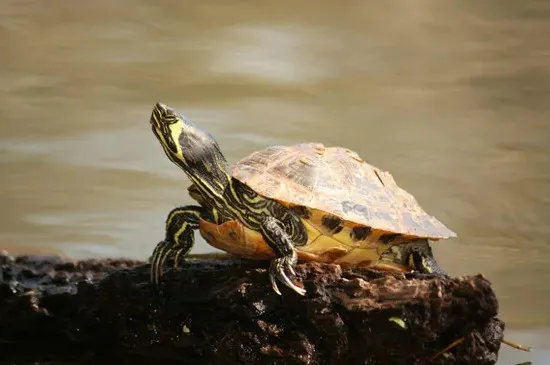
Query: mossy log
<point x="212" y="311"/>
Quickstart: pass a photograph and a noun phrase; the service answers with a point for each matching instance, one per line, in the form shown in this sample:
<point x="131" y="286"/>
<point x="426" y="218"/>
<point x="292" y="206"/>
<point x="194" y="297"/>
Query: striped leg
<point x="276" y="237"/>
<point x="422" y="260"/>
<point x="181" y="224"/>
<point x="419" y="257"/>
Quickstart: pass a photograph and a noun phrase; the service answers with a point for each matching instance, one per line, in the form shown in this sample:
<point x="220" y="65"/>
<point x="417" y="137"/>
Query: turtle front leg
<point x="280" y="242"/>
<point x="181" y="224"/>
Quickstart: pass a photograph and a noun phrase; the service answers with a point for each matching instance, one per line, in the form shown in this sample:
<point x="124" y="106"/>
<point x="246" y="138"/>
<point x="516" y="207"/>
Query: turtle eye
<point x="166" y="114"/>
<point x="172" y="119"/>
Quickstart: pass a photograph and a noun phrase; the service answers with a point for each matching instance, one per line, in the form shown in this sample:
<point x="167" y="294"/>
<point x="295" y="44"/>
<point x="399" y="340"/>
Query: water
<point x="452" y="98"/>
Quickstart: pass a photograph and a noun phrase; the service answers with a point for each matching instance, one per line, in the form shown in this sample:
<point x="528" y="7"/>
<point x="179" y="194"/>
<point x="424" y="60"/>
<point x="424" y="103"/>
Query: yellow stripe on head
<point x="168" y="126"/>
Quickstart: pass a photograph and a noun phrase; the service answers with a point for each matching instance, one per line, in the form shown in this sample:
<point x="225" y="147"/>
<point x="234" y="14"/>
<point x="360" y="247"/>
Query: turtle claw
<point x="277" y="271"/>
<point x="154" y="262"/>
<point x="160" y="254"/>
<point x="177" y="255"/>
<point x="274" y="282"/>
<point x="290" y="268"/>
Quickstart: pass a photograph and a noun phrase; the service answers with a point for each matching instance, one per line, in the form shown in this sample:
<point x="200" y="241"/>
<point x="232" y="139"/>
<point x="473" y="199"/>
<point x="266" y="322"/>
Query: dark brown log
<point x="225" y="312"/>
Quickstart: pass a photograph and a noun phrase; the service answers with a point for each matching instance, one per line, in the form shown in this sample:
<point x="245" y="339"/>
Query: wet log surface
<point x="225" y="312"/>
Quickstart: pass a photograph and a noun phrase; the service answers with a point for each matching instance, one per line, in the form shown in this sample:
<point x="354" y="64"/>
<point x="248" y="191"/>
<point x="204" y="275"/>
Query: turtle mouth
<point x="158" y="115"/>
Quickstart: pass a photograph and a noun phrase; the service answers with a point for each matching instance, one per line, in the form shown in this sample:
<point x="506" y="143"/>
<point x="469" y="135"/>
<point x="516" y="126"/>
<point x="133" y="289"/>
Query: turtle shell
<point x="337" y="181"/>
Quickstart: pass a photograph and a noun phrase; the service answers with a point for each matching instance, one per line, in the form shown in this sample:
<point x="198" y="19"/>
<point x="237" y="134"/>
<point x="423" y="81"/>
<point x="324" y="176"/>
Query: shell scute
<point x="339" y="182"/>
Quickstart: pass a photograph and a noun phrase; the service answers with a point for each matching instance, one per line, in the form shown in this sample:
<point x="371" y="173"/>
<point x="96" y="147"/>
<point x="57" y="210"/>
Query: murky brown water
<point x="453" y="99"/>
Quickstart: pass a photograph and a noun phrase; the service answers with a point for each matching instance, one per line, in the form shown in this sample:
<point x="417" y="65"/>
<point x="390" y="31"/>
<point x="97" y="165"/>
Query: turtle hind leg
<point x="427" y="264"/>
<point x="275" y="236"/>
<point x="181" y="224"/>
<point x="421" y="259"/>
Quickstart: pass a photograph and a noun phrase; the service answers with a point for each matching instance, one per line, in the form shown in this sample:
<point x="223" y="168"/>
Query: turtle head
<point x="188" y="146"/>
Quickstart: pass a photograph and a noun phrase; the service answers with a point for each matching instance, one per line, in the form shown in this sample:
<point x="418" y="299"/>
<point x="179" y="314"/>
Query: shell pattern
<point x="337" y="181"/>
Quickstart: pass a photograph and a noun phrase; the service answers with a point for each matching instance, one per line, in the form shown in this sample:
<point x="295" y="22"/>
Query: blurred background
<point x="453" y="98"/>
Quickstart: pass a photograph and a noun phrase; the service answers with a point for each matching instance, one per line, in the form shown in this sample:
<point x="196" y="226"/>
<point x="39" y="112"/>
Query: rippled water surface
<point x="452" y="97"/>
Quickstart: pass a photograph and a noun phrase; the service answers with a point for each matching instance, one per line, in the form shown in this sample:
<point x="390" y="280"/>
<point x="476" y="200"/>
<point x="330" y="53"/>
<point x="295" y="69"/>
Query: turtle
<point x="288" y="203"/>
